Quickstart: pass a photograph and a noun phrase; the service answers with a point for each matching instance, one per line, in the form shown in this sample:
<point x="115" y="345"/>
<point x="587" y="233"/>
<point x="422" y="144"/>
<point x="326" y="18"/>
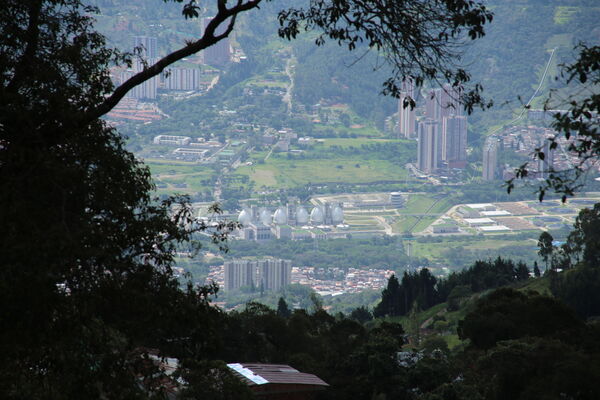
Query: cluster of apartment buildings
<point x="441" y="131"/>
<point x="352" y="280"/>
<point x="267" y="274"/>
<point x="525" y="140"/>
<point x="174" y="78"/>
<point x="273" y="274"/>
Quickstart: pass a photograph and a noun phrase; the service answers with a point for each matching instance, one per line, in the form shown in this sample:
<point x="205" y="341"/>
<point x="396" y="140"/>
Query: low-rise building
<point x="172" y="140"/>
<point x="445" y="228"/>
<point x="278" y="382"/>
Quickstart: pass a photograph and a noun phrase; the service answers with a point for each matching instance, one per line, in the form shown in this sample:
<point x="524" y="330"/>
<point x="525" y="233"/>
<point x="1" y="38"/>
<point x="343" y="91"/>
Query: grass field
<point x="435" y="251"/>
<point x="364" y="131"/>
<point x="353" y="142"/>
<point x="282" y="173"/>
<point x="173" y="173"/>
<point x="420" y="204"/>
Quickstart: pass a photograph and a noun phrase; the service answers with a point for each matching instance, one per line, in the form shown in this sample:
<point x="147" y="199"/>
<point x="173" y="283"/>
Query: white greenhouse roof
<point x="494" y="228"/>
<point x="496" y="213"/>
<point x="479" y="221"/>
<point x="480" y="205"/>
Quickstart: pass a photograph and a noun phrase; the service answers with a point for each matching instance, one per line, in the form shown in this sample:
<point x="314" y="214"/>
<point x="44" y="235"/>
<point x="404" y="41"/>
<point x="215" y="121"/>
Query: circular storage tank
<point x="265" y="216"/>
<point x="301" y="216"/>
<point x="244" y="217"/>
<point x="337" y="215"/>
<point x="316" y="216"/>
<point x="280" y="217"/>
<point x="396" y="199"/>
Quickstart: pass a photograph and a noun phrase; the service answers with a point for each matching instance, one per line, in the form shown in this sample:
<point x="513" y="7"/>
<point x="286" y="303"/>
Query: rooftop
<point x="262" y="374"/>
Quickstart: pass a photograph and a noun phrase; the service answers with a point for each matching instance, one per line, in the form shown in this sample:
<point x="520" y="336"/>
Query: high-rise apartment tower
<point x="429" y="148"/>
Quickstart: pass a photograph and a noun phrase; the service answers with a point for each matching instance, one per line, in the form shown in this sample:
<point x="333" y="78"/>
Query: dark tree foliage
<point x="523" y="346"/>
<point x="536" y="270"/>
<point x="529" y="368"/>
<point x="356" y="361"/>
<point x="212" y="380"/>
<point x="424" y="290"/>
<point x="578" y="288"/>
<point x="361" y="314"/>
<point x="546" y="248"/>
<point x="283" y="309"/>
<point x="398" y="299"/>
<point x="457" y="296"/>
<point x="508" y="314"/>
<point x="390" y="299"/>
<point x="86" y="251"/>
<point x="583" y="243"/>
<point x="484" y="275"/>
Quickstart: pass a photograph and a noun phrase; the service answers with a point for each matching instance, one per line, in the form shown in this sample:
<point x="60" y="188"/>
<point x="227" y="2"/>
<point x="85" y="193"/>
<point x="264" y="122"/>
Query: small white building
<point x="482" y="206"/>
<point x="494" y="228"/>
<point x="479" y="221"/>
<point x="495" y="213"/>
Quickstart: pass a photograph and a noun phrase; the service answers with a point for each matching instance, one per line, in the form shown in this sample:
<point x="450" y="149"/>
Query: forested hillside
<point x="508" y="61"/>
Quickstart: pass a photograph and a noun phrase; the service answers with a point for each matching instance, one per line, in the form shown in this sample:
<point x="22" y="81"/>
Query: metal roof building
<point x="278" y="381"/>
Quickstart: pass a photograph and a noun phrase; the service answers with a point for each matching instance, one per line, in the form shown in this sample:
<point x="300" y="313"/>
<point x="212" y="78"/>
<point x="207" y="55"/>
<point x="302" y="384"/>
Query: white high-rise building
<point x="269" y="274"/>
<point x="218" y="54"/>
<point x="450" y="103"/>
<point x="148" y="46"/>
<point x="443" y="102"/>
<point x="406" y="115"/>
<point x="454" y="141"/>
<point x="273" y="274"/>
<point x="429" y="148"/>
<point x="146" y="90"/>
<point x="544" y="166"/>
<point x="433" y="104"/>
<point x="490" y="159"/>
<point x="239" y="273"/>
<point x="182" y="79"/>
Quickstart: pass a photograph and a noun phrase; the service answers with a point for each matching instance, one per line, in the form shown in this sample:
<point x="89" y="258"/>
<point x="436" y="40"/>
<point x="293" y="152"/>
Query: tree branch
<point x="208" y="39"/>
<point x="32" y="35"/>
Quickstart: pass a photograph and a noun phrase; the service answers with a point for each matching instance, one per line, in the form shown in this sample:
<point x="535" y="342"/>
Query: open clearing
<point x="283" y="173"/>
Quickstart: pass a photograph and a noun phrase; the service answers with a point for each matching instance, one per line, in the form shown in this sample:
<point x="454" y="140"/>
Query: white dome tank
<point x="280" y="217"/>
<point x="301" y="216"/>
<point x="316" y="216"/>
<point x="244" y="218"/>
<point x="337" y="215"/>
<point x="265" y="216"/>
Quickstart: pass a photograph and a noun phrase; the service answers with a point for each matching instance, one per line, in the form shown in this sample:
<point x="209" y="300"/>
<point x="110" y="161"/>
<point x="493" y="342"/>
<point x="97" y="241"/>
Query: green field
<point x="173" y="173"/>
<point x="420" y="204"/>
<point x="282" y="173"/>
<point x="363" y="131"/>
<point x="472" y="248"/>
<point x="353" y="142"/>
